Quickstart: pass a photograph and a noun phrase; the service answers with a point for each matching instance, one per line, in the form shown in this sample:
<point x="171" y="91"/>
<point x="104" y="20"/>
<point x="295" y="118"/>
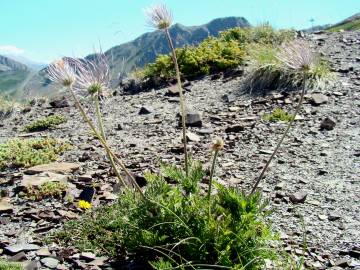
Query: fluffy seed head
<point x="218" y="144"/>
<point x="159" y="17"/>
<point x="61" y="72"/>
<point x="297" y="55"/>
<point x="93" y="75"/>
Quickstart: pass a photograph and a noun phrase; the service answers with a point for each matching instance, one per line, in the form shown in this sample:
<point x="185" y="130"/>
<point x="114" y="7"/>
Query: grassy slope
<point x="11" y="80"/>
<point x="348" y="26"/>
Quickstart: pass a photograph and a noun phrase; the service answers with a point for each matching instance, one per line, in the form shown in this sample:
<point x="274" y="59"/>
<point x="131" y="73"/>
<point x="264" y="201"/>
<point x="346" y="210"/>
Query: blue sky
<point x="44" y="30"/>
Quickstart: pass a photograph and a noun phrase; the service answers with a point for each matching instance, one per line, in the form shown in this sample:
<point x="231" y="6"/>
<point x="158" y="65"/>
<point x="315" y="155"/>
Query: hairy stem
<point x="212" y="171"/>
<point x="283" y="136"/>
<point x="182" y="99"/>
<point x="102" y="133"/>
<point x="103" y="143"/>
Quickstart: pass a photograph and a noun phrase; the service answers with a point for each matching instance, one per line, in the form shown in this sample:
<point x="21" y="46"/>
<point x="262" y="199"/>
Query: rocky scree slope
<point x="314" y="178"/>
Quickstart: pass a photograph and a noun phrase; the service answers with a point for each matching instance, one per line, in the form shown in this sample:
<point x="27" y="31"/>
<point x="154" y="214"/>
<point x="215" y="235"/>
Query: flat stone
<point x="298" y="197"/>
<point x="43" y="252"/>
<point x="50" y="262"/>
<point x="334" y="216"/>
<point x="21" y="247"/>
<point x="192" y="137"/>
<point x="88" y="256"/>
<point x="5" y="206"/>
<point x="55" y="167"/>
<point x="318" y="99"/>
<point x="39" y="179"/>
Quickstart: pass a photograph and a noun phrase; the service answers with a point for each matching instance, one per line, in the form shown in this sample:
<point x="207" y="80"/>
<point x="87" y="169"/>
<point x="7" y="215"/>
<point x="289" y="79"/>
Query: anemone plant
<point x="296" y="56"/>
<point x="91" y="76"/>
<point x="160" y="18"/>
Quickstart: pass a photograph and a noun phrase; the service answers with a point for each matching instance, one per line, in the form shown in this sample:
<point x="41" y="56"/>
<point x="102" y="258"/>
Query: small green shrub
<point x="46" y="190"/>
<point x="30" y="152"/>
<point x="262" y="34"/>
<point x="228" y="51"/>
<point x="278" y="115"/>
<point x="6" y="107"/>
<point x="176" y="225"/>
<point x="10" y="266"/>
<point x="45" y="123"/>
<point x="212" y="55"/>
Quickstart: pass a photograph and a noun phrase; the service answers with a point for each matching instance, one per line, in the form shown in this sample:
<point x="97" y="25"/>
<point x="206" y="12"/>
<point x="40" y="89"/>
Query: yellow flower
<point x="84" y="204"/>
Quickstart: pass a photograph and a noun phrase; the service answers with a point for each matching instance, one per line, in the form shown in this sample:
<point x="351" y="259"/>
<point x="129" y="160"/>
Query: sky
<point x="44" y="30"/>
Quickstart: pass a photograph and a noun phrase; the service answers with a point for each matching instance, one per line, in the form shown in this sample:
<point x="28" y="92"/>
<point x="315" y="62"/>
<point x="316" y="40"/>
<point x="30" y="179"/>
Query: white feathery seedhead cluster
<point x="61" y="72"/>
<point x="92" y="76"/>
<point x="297" y="55"/>
<point x="159" y="17"/>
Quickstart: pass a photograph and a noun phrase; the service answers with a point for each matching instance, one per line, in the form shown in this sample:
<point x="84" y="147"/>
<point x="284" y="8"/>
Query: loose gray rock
<point x="146" y="110"/>
<point x="21" y="247"/>
<point x="327" y="124"/>
<point x="318" y="99"/>
<point x="298" y="197"/>
<point x="50" y="262"/>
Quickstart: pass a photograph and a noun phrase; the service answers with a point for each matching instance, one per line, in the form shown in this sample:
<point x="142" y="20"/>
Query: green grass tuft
<point x="46" y="190"/>
<point x="177" y="226"/>
<point x="30" y="152"/>
<point x="278" y="115"/>
<point x="10" y="266"/>
<point x="45" y="123"/>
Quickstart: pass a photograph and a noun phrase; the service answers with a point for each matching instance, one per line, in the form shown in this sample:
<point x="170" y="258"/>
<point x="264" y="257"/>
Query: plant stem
<point x="283" y="136"/>
<point x="102" y="132"/>
<point x="182" y="99"/>
<point x="103" y="143"/>
<point x="212" y="171"/>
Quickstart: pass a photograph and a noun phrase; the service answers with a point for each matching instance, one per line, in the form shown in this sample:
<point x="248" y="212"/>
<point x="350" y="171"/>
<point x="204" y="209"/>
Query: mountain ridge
<point x="124" y="58"/>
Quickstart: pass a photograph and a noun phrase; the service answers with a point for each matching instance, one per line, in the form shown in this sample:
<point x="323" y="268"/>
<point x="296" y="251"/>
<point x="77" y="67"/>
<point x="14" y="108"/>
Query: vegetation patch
<point x="267" y="72"/>
<point x="278" y="115"/>
<point x="177" y="226"/>
<point x="45" y="123"/>
<point x="6" y="107"/>
<point x="46" y="190"/>
<point x="213" y="55"/>
<point x="348" y="26"/>
<point x="10" y="266"/>
<point x="30" y="152"/>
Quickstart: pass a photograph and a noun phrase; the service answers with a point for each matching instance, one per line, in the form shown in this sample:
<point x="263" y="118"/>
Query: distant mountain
<point x="144" y="49"/>
<point x="349" y="24"/>
<point x="12" y="75"/>
<point x="31" y="64"/>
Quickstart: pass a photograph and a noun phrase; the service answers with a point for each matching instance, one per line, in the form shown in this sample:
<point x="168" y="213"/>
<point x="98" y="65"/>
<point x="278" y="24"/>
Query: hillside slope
<point x="12" y="75"/>
<point x="126" y="57"/>
<point x="350" y="24"/>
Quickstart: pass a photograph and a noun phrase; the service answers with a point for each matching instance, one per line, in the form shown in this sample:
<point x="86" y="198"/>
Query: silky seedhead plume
<point x="297" y="55"/>
<point x="93" y="75"/>
<point x="61" y="72"/>
<point x="159" y="16"/>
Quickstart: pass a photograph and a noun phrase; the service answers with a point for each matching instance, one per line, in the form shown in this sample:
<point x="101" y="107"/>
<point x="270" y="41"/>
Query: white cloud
<point x="10" y="49"/>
